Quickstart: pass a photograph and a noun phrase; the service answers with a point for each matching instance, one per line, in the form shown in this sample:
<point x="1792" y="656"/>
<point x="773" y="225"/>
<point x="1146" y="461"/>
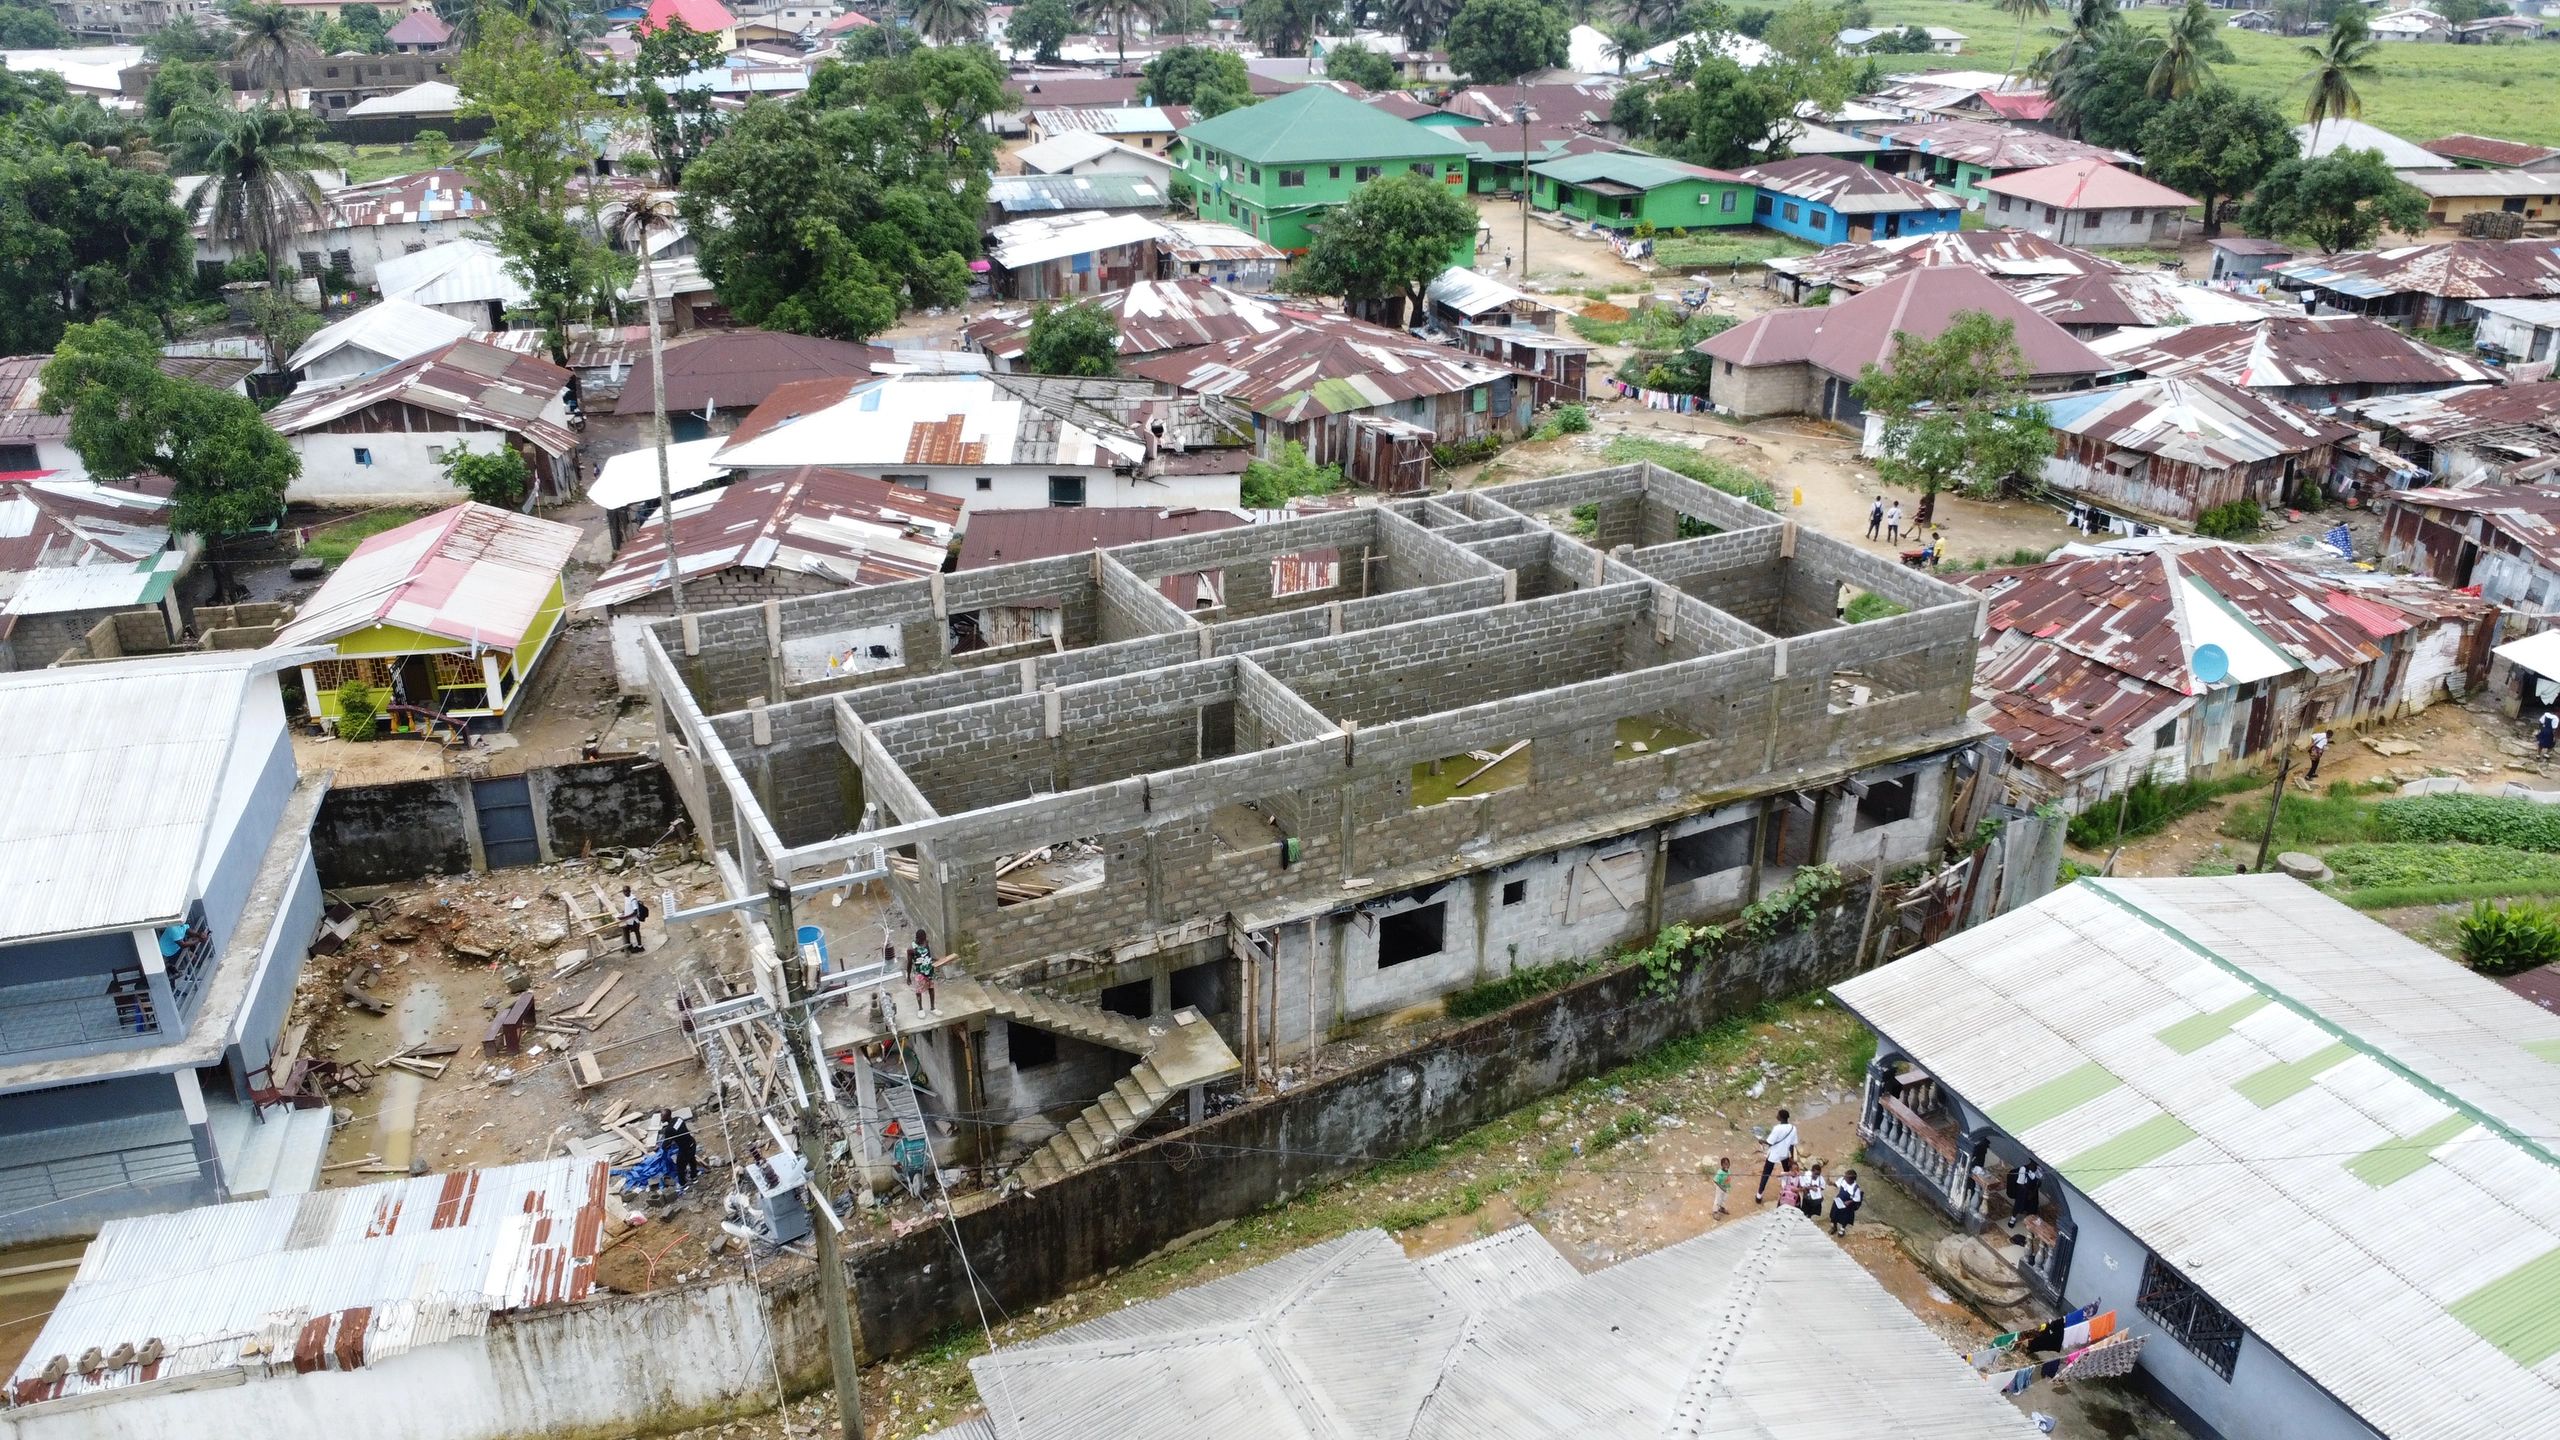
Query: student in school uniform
<point x="1845" y="1202"/>
<point x="1813" y="1190"/>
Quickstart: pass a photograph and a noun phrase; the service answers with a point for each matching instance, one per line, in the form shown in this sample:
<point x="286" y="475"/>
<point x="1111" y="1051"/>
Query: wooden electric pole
<point x="835" y="1292"/>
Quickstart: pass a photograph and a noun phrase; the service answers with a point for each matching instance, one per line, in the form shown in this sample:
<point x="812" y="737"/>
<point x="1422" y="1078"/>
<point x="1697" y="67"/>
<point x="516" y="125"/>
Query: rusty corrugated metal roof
<point x="1153" y="316"/>
<point x="2067" y="713"/>
<point x="2527" y="514"/>
<point x="2197" y="420"/>
<point x="2453" y="269"/>
<point x="2001" y="254"/>
<point x="851" y="529"/>
<point x="2441" y="416"/>
<point x="739" y="369"/>
<point x="468" y="380"/>
<point x="1990" y="144"/>
<point x="1322" y="365"/>
<point x="2287" y="350"/>
<point x="1848" y="335"/>
<point x="330" y="1280"/>
<point x="2488" y="151"/>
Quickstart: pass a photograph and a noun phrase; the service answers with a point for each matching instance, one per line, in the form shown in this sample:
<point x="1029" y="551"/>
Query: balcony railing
<point x="84" y="1011"/>
<point x="1928" y="1151"/>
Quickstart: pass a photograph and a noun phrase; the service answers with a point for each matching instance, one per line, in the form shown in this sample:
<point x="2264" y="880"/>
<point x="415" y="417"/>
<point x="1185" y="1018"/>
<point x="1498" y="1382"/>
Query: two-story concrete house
<point x="160" y="898"/>
<point x="1274" y="169"/>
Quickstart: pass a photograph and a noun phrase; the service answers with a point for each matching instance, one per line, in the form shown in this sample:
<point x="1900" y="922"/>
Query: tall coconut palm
<point x="2344" y="57"/>
<point x="950" y="22"/>
<point x="2093" y="24"/>
<point x="1653" y="17"/>
<point x="642" y="217"/>
<point x="2023" y="11"/>
<point x="2187" y="49"/>
<point x="1626" y="41"/>
<point x="265" y="37"/>
<point x="1121" y="15"/>
<point x="1424" y="23"/>
<point x="257" y="192"/>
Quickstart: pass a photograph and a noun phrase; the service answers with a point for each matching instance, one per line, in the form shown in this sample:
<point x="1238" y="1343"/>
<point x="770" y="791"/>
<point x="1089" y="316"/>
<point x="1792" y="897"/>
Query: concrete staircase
<point x="1173" y="1059"/>
<point x="1062" y="1017"/>
<point x="277" y="1154"/>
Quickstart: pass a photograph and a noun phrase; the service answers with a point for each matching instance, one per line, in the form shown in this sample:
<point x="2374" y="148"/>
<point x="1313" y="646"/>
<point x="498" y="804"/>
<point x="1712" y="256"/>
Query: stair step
<point x="250" y="1174"/>
<point x="1117" y="1112"/>
<point x="1151" y="1083"/>
<point x="1106" y="1136"/>
<point x="1134" y="1098"/>
<point x="1087" y="1144"/>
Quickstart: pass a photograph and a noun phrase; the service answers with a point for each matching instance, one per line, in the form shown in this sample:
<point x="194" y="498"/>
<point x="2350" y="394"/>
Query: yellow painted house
<point x="446" y="616"/>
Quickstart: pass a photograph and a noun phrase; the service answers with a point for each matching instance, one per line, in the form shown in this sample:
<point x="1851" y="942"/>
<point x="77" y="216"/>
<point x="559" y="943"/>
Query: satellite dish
<point x="2210" y="665"/>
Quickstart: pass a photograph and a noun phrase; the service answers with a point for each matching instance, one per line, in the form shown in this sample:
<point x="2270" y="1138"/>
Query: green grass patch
<point x="2147" y="806"/>
<point x="2470" y="820"/>
<point x="1745" y="247"/>
<point x="367" y="163"/>
<point x="2403" y="864"/>
<point x="1652" y="327"/>
<point x="1681" y="459"/>
<point x="340" y="538"/>
<point x="2341" y="815"/>
<point x="1868" y="605"/>
<point x="2401" y="897"/>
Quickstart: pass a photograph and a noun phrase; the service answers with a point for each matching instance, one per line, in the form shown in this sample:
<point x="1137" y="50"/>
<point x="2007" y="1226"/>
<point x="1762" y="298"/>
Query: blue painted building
<point x="159" y="898"/>
<point x="1831" y="201"/>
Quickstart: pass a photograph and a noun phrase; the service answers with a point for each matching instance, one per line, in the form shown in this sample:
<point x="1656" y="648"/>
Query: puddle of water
<point x="32" y="1279"/>
<point x="396" y="1130"/>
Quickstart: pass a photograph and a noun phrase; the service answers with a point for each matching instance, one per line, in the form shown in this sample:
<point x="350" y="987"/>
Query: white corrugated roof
<point x="1043" y="238"/>
<point x="1763" y="1329"/>
<point x="393" y="329"/>
<point x="2343" y="1137"/>
<point x="457" y="272"/>
<point x="332" y="1279"/>
<point x="114" y="772"/>
<point x="631" y="478"/>
<point x="433" y="97"/>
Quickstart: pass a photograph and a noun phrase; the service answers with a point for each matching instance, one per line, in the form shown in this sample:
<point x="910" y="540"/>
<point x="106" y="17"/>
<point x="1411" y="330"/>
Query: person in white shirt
<point x="1813" y="1188"/>
<point x="1845" y="1201"/>
<point x="1781" y="1143"/>
<point x="1893" y="524"/>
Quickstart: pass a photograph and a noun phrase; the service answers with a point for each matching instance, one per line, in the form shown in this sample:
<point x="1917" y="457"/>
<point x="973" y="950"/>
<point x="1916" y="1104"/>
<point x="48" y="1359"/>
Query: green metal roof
<point x="2514" y="1312"/>
<point x="1646" y="172"/>
<point x="2197" y="1031"/>
<point x="2396" y="1160"/>
<point x="2068" y="1091"/>
<point x="1318" y="125"/>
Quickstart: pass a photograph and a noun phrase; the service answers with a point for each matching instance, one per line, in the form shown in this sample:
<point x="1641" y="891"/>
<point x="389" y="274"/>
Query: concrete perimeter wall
<point x="384" y="834"/>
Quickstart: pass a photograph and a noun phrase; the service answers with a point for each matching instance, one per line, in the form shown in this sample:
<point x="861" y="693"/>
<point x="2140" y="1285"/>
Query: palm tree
<point x="2093" y="24"/>
<point x="1424" y="22"/>
<point x="1120" y="15"/>
<point x="264" y="44"/>
<point x="1653" y="17"/>
<point x="2187" y="47"/>
<point x="1626" y="42"/>
<point x="643" y="216"/>
<point x="2023" y="11"/>
<point x="950" y="22"/>
<point x="2337" y="63"/>
<point x="257" y="191"/>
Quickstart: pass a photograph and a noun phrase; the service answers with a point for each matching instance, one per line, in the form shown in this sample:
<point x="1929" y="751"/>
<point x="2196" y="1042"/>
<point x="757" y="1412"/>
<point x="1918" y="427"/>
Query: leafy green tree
<point x="1040" y="27"/>
<point x="2341" y="201"/>
<point x="85" y="239"/>
<point x="949" y="22"/>
<point x="1721" y="116"/>
<point x="1072" y="340"/>
<point x="1957" y="415"/>
<point x="257" y="190"/>
<point x="183" y="38"/>
<point x="2341" y="59"/>
<point x="1359" y="65"/>
<point x="495" y="476"/>
<point x="26" y="27"/>
<point x="1272" y="484"/>
<point x="1212" y="82"/>
<point x="365" y="22"/>
<point x="184" y="96"/>
<point x="281" y="325"/>
<point x="1495" y="42"/>
<point x="2214" y="144"/>
<point x="228" y="470"/>
<point x="826" y="215"/>
<point x="2189" y="48"/>
<point x="1425" y="22"/>
<point x="682" y="119"/>
<point x="264" y="37"/>
<point x="1388" y="243"/>
<point x="2105" y="96"/>
<point x="1283" y="27"/>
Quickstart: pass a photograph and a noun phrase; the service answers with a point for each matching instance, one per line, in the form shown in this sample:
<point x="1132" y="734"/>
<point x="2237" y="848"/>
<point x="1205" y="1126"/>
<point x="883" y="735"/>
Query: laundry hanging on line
<point x="2107" y="1359"/>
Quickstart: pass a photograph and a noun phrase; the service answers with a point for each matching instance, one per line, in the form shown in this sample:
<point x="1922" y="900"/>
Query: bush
<point x="492" y="477"/>
<point x="1519" y="985"/>
<point x="2406" y="865"/>
<point x="1466" y="452"/>
<point x="1568" y="420"/>
<point x="2147" y="805"/>
<point x="1871" y="606"/>
<point x="1272" y="484"/>
<point x="2232" y="521"/>
<point x="2509" y="939"/>
<point x="2309" y="822"/>
<point x="357" y="714"/>
<point x="2470" y="820"/>
<point x="1681" y="459"/>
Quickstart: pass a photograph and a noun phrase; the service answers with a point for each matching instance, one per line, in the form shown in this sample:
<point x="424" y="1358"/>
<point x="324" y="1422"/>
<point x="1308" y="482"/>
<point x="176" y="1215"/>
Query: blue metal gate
<point x="506" y="822"/>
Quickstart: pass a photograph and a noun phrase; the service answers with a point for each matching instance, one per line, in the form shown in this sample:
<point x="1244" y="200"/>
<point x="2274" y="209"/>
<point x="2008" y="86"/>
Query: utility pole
<point x="835" y="1292"/>
<point x="2275" y="806"/>
<point x="1520" y="112"/>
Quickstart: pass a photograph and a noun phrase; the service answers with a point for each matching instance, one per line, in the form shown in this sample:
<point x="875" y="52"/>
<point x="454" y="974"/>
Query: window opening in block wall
<point x="1048" y="872"/>
<point x="1412" y="935"/>
<point x="1201" y="987"/>
<point x="1472" y="773"/>
<point x="1137" y="999"/>
<point x="1707" y="852"/>
<point x="1641" y="735"/>
<point x="1885" y="802"/>
<point x="1029" y="1047"/>
<point x="1514" y="892"/>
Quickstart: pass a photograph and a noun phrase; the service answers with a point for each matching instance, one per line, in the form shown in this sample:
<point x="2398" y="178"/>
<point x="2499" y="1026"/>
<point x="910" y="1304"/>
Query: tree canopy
<point x="2341" y="201"/>
<point x="682" y="120"/>
<point x="1389" y="242"/>
<point x="257" y="191"/>
<point x="1957" y="415"/>
<point x="2214" y="144"/>
<point x="1359" y="65"/>
<point x="1211" y="82"/>
<point x="1079" y="339"/>
<point x="1495" y="42"/>
<point x="228" y="469"/>
<point x="827" y="215"/>
<point x="1040" y="28"/>
<point x="1719" y="115"/>
<point x="1283" y="27"/>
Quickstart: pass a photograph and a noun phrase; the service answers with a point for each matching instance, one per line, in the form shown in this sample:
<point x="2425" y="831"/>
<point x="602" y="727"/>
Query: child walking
<point x="1813" y="1193"/>
<point x="1723" y="1178"/>
<point x="1845" y="1203"/>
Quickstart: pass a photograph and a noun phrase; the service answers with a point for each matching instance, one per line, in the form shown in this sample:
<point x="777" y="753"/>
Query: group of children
<point x="1798" y="1189"/>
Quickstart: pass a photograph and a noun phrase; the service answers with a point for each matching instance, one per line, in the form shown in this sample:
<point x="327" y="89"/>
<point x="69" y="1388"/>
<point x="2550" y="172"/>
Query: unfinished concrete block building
<point x="1485" y="744"/>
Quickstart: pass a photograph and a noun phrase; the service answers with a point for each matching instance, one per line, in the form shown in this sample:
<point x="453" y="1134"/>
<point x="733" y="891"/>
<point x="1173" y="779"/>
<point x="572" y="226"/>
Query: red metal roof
<point x="2290" y="350"/>
<point x="851" y="529"/>
<point x="1153" y="316"/>
<point x="2088" y="184"/>
<point x="2488" y="151"/>
<point x="703" y="17"/>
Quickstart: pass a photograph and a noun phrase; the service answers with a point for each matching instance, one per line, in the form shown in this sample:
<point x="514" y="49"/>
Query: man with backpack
<point x="633" y="912"/>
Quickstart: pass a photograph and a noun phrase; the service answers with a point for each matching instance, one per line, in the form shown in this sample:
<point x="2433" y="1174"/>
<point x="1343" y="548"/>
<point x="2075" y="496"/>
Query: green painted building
<point x="1274" y="169"/>
<point x="1617" y="189"/>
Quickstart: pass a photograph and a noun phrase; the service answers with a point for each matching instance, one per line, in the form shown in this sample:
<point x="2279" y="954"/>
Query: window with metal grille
<point x="2190" y="1317"/>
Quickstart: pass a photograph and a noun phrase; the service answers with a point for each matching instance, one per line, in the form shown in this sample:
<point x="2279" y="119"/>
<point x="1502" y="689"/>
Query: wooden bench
<point x="507" y="1027"/>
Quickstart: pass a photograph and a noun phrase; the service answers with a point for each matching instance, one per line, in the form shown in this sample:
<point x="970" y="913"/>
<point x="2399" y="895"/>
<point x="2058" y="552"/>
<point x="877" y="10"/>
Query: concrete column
<point x="191" y="1104"/>
<point x="155" y="972"/>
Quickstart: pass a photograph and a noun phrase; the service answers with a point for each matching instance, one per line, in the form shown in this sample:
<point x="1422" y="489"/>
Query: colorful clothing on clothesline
<point x="1661" y="399"/>
<point x="2107" y="1359"/>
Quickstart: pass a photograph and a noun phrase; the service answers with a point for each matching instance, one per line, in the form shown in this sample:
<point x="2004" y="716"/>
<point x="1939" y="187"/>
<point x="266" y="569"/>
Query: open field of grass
<point x="2422" y="92"/>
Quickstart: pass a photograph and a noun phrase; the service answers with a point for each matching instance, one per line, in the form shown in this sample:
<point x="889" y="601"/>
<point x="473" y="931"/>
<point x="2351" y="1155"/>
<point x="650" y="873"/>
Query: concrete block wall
<point x="1737" y="572"/>
<point x="1451" y="662"/>
<point x="1130" y="608"/>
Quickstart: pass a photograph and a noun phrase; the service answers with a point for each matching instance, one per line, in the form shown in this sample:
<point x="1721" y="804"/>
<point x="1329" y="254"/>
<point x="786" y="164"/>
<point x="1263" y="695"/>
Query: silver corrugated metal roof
<point x="2340" y="1135"/>
<point x="1760" y="1330"/>
<point x="113" y="780"/>
<point x="329" y="1280"/>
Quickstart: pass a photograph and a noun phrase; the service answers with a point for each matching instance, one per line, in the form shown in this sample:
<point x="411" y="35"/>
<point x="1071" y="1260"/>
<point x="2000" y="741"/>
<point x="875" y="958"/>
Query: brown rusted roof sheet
<point x="851" y="529"/>
<point x="739" y="369"/>
<point x="2442" y="416"/>
<point x="1153" y="316"/>
<point x="1990" y="144"/>
<point x="2452" y="269"/>
<point x="2198" y="421"/>
<point x="941" y="442"/>
<point x="2287" y="350"/>
<point x="1002" y="537"/>
<point x="2067" y="713"/>
<point x="2002" y="254"/>
<point x="2488" y="151"/>
<point x="1846" y="336"/>
<point x="1322" y="365"/>
<point x="2527" y="514"/>
<point x="467" y="379"/>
